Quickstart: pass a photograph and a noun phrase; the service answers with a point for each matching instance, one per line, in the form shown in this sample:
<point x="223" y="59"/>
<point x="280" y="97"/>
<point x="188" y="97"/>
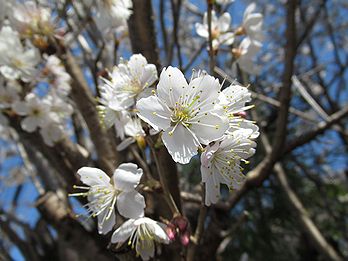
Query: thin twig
<point x="168" y="196"/>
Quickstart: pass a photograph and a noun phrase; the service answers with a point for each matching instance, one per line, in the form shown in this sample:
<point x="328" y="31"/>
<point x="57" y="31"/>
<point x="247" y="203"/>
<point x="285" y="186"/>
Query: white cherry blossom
<point x="245" y="54"/>
<point x="8" y="94"/>
<point x="35" y="110"/>
<point x="55" y="74"/>
<point x="233" y="99"/>
<point x="128" y="82"/>
<point x="252" y="24"/>
<point x="220" y="163"/>
<point x="187" y="113"/>
<point x="51" y="133"/>
<point x="142" y="234"/>
<point x="104" y="194"/>
<point x="16" y="61"/>
<point x="112" y="13"/>
<point x="30" y="19"/>
<point x="221" y="29"/>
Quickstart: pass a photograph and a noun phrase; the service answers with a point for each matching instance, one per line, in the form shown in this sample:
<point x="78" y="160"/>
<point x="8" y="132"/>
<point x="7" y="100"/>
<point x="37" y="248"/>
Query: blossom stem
<point x="210" y="42"/>
<point x="168" y="196"/>
<point x="195" y="239"/>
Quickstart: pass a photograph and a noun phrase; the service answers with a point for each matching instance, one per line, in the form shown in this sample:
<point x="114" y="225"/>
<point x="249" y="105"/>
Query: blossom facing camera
<point x="16" y="62"/>
<point x="142" y="234"/>
<point x="187" y="114"/>
<point x="104" y="194"/>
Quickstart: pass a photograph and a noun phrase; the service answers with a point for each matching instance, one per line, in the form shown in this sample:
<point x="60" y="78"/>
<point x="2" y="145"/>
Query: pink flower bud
<point x="171" y="232"/>
<point x="181" y="223"/>
<point x="185" y="238"/>
<point x="242" y="114"/>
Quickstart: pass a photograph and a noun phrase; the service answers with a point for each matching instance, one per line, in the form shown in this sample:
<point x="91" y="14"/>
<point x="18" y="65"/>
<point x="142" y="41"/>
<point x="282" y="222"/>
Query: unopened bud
<point x="185" y="238"/>
<point x="171" y="232"/>
<point x="242" y="114"/>
<point x="181" y="223"/>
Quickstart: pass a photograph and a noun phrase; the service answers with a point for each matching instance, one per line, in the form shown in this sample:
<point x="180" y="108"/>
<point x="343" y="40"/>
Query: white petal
<point x="211" y="127"/>
<point x="136" y="65"/>
<point x="149" y="75"/>
<point x="212" y="186"/>
<point x="253" y="20"/>
<point x="21" y="108"/>
<point x="182" y="145"/>
<point x="125" y="143"/>
<point x="106" y="225"/>
<point x="171" y="86"/>
<point x="206" y="87"/>
<point x="123" y="232"/>
<point x="127" y="176"/>
<point x="154" y="112"/>
<point x="160" y="233"/>
<point x="131" y="204"/>
<point x="93" y="176"/>
<point x="224" y="22"/>
<point x="250" y="8"/>
<point x="208" y="153"/>
<point x="226" y="38"/>
<point x="202" y="30"/>
<point x="146" y="249"/>
<point x="30" y="124"/>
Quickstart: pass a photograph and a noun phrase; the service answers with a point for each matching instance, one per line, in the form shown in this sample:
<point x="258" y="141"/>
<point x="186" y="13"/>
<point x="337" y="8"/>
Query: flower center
<point x="35" y="112"/>
<point x="17" y="63"/>
<point x="133" y="87"/>
<point x="215" y="33"/>
<point x="180" y="115"/>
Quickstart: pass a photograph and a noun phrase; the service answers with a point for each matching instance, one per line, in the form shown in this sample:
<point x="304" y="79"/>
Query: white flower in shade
<point x="3" y="122"/>
<point x="245" y="54"/>
<point x="51" y="133"/>
<point x="142" y="234"/>
<point x="35" y="110"/>
<point x="58" y="107"/>
<point x="15" y="61"/>
<point x="5" y="9"/>
<point x="104" y="194"/>
<point x="221" y="31"/>
<point x="54" y="73"/>
<point x="220" y="164"/>
<point x="252" y="24"/>
<point x="128" y="82"/>
<point x="134" y="131"/>
<point x="112" y="13"/>
<point x="187" y="113"/>
<point x="30" y="19"/>
<point x="8" y="94"/>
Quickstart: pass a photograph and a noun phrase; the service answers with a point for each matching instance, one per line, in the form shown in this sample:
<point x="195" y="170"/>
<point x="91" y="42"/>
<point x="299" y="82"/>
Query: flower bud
<point x="181" y="223"/>
<point x="171" y="231"/>
<point x="242" y="114"/>
<point x="185" y="238"/>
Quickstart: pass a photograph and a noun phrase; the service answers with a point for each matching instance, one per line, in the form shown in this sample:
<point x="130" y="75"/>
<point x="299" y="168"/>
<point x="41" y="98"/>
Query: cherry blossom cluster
<point x="34" y="86"/>
<point x="223" y="34"/>
<point x="190" y="118"/>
